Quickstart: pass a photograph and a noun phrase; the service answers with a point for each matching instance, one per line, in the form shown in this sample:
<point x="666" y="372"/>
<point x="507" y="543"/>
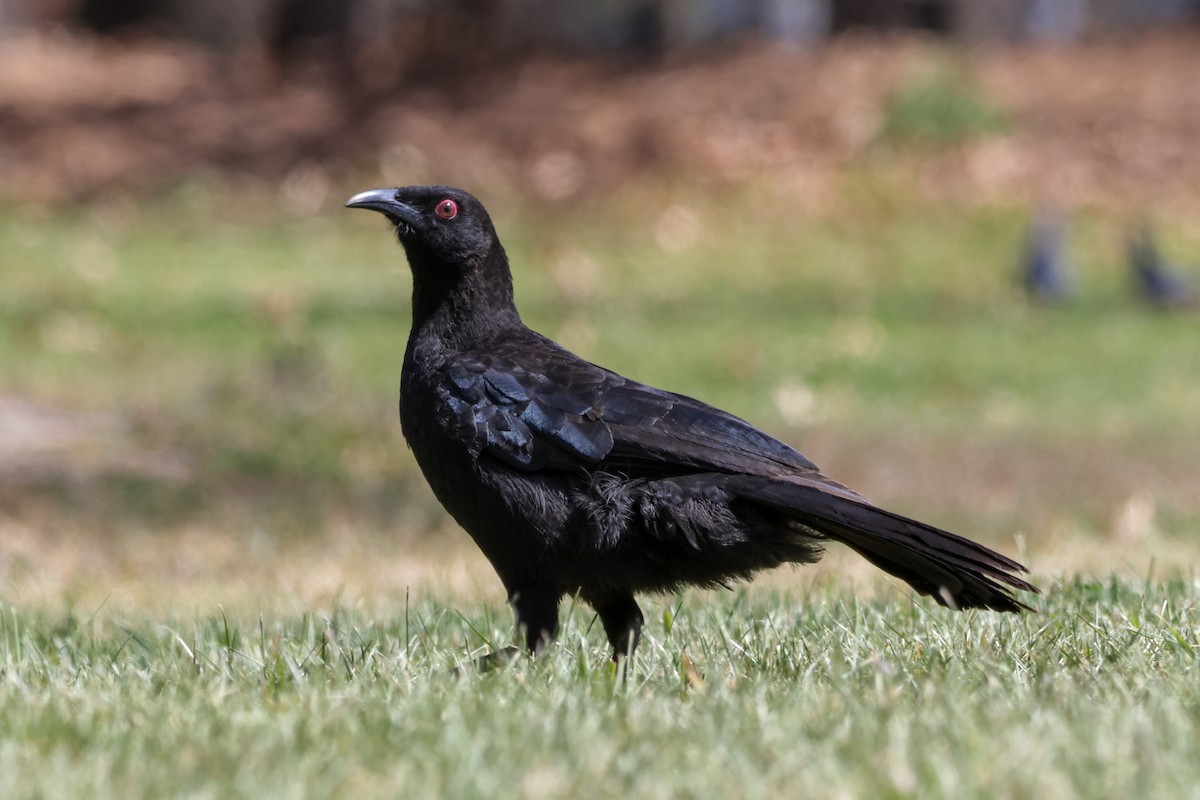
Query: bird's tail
<point x="954" y="571"/>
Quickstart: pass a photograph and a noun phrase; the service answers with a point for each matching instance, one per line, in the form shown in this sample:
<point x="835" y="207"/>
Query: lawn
<point x="222" y="576"/>
<point x="750" y="695"/>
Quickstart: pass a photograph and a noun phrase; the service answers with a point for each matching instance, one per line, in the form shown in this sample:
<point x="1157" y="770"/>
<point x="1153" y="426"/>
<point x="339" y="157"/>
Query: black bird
<point x="1161" y="284"/>
<point x="573" y="479"/>
<point x="1046" y="271"/>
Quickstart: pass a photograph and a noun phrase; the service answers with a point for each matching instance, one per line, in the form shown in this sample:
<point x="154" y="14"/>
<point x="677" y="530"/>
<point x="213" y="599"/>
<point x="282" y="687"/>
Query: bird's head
<point x="434" y="223"/>
<point x="461" y="278"/>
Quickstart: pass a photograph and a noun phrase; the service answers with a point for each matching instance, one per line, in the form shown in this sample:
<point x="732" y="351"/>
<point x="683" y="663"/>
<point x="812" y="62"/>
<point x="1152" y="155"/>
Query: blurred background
<point x="947" y="249"/>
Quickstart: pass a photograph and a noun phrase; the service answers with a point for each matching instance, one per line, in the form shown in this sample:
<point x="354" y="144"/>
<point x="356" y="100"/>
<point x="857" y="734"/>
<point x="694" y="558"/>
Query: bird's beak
<point x="384" y="201"/>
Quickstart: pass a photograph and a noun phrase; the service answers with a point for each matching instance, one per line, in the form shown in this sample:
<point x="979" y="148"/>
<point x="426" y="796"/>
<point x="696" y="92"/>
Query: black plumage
<point x="1046" y="271"/>
<point x="573" y="479"/>
<point x="1159" y="283"/>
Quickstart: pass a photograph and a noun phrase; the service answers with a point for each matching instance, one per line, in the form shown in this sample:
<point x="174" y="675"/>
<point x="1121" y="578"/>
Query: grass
<point x="747" y="694"/>
<point x="230" y="580"/>
<point x="940" y="107"/>
<point x="255" y="357"/>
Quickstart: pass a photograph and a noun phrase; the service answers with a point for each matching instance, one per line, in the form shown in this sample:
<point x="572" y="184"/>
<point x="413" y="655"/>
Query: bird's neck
<point x="460" y="308"/>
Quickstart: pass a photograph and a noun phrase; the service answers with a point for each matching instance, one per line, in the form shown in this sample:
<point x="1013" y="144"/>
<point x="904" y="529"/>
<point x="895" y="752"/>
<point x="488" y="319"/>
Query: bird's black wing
<point x="534" y="405"/>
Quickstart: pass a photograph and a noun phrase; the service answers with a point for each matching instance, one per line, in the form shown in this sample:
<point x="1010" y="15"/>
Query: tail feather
<point x="953" y="570"/>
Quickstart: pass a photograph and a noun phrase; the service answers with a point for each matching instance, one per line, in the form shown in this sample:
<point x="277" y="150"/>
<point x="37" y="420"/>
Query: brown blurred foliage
<point x="1112" y="123"/>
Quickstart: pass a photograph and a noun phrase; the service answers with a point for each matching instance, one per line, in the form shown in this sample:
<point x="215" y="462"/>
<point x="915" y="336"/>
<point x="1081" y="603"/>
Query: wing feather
<point x="537" y="406"/>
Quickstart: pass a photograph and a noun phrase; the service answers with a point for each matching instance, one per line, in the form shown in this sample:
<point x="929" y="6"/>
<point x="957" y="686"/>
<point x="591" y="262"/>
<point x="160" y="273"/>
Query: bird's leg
<point x="622" y="620"/>
<point x="537" y="616"/>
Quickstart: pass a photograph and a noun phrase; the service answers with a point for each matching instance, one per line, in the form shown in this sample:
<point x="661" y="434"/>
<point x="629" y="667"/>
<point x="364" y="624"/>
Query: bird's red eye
<point x="447" y="209"/>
